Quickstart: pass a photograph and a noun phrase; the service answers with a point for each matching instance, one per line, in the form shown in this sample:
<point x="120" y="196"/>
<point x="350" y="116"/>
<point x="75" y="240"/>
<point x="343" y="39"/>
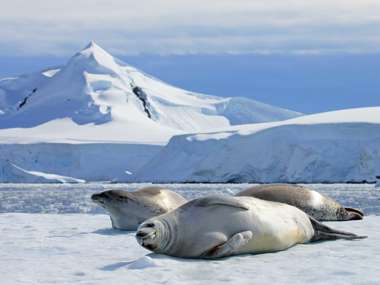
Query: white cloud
<point x="173" y="26"/>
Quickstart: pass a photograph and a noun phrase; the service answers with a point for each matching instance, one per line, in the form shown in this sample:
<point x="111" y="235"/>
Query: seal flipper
<point x="323" y="232"/>
<point x="354" y="214"/>
<point x="230" y="247"/>
<point x="113" y="223"/>
<point x="220" y="200"/>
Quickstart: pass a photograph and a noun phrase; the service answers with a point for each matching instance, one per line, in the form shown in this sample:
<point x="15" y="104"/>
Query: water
<point x="75" y="198"/>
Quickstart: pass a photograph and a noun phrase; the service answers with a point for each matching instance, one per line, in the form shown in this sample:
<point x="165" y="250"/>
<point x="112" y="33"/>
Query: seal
<point x="220" y="226"/>
<point x="128" y="210"/>
<point x="320" y="207"/>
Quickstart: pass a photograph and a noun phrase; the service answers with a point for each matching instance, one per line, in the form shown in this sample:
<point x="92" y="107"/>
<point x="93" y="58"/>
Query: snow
<point x="339" y="146"/>
<point x="82" y="248"/>
<point x="49" y="177"/>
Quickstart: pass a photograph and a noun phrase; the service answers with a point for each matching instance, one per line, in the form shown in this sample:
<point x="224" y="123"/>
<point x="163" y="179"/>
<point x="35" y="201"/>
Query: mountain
<point x="96" y="118"/>
<point x="96" y="97"/>
<point x="339" y="146"/>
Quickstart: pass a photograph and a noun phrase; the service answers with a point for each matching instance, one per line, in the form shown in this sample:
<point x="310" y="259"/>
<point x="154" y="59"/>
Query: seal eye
<point x="149" y="225"/>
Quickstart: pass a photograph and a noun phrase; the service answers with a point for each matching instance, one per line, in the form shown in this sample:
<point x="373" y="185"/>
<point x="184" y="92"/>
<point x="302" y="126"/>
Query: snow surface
<point x="84" y="249"/>
<point x="340" y="146"/>
<point x="48" y="177"/>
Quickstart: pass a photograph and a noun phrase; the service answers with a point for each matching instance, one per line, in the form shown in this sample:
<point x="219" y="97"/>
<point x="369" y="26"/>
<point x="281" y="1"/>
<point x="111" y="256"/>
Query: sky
<point x="310" y="56"/>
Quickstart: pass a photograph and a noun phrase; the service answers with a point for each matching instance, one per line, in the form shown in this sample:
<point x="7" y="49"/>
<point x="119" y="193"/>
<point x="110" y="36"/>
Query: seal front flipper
<point x="323" y="232"/>
<point x="220" y="200"/>
<point x="229" y="247"/>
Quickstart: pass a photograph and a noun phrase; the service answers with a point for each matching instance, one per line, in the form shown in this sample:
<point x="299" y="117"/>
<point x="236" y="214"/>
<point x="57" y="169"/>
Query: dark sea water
<point x="75" y="198"/>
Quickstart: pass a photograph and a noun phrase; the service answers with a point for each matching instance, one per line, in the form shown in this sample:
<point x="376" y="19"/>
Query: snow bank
<point x="83" y="249"/>
<point x="341" y="146"/>
<point x="90" y="162"/>
<point x="38" y="176"/>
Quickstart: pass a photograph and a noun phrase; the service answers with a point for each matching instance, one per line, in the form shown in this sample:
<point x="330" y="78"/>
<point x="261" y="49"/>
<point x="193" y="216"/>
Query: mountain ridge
<point x="95" y="89"/>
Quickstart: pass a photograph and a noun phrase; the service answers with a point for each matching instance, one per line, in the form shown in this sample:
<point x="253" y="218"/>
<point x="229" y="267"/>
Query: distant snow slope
<point x="42" y="177"/>
<point x="97" y="97"/>
<point x="340" y="146"/>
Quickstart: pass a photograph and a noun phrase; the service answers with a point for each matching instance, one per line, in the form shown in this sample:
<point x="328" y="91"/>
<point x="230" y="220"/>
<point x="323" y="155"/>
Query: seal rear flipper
<point x="229" y="247"/>
<point x="323" y="232"/>
<point x="354" y="214"/>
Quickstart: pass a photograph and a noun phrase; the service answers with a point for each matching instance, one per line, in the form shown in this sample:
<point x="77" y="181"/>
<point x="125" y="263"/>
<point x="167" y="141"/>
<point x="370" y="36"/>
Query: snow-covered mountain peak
<point x="95" y="88"/>
<point x="92" y="45"/>
<point x="94" y="59"/>
<point x="94" y="51"/>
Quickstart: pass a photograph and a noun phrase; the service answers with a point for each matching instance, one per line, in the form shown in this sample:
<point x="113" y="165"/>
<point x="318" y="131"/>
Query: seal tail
<point x="323" y="232"/>
<point x="354" y="214"/>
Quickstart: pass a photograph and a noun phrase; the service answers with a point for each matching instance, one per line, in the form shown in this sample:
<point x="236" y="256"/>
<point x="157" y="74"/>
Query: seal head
<point x="128" y="210"/>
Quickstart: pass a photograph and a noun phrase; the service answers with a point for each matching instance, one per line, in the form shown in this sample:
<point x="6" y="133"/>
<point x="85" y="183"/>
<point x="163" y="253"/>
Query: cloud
<point x="42" y="27"/>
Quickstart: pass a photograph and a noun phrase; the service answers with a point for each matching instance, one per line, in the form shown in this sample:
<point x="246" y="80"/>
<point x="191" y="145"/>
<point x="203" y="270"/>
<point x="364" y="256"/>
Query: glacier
<point x="84" y="161"/>
<point x="339" y="146"/>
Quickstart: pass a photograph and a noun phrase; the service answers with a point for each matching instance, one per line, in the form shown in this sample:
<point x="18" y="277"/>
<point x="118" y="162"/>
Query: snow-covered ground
<point x="81" y="248"/>
<point x="339" y="146"/>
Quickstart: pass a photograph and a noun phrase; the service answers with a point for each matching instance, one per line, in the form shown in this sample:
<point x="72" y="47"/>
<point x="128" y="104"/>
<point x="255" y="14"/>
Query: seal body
<point x="320" y="207"/>
<point x="128" y="210"/>
<point x="219" y="226"/>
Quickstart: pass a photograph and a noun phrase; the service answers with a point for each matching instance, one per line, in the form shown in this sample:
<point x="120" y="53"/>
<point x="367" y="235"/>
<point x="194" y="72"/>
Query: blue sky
<point x="310" y="56"/>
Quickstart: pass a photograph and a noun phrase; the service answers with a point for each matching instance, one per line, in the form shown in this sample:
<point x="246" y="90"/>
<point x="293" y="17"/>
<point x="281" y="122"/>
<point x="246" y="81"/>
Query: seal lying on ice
<point x="129" y="209"/>
<point x="320" y="207"/>
<point x="219" y="226"/>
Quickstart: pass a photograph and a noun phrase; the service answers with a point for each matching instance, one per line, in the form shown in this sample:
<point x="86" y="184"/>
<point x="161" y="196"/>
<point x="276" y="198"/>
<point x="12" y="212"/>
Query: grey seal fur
<point x="320" y="207"/>
<point x="128" y="210"/>
<point x="220" y="226"/>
